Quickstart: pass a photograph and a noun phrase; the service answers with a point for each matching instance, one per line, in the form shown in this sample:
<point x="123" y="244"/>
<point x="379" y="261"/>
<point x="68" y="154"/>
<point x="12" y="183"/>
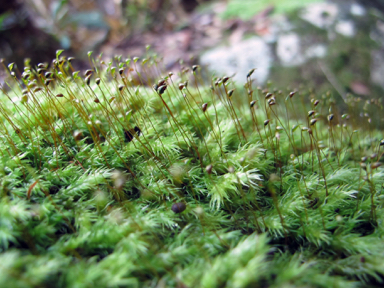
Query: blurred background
<point x="336" y="45"/>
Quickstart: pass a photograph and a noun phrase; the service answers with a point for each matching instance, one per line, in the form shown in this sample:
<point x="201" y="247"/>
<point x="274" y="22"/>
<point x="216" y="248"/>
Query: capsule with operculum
<point x="311" y="113"/>
<point x="88" y="72"/>
<point x="250" y="72"/>
<point x="271" y="102"/>
<point x="47" y="81"/>
<point x="313" y="122"/>
<point x="252" y="103"/>
<point x="204" y="107"/>
<point x="375" y="165"/>
<point x="88" y="79"/>
<point x="230" y="92"/>
<point x="330" y="117"/>
<point x="162" y="89"/>
<point x="266" y="122"/>
<point x="178" y="207"/>
<point x="208" y="169"/>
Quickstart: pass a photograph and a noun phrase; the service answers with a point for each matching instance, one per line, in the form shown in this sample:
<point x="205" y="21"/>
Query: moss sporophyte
<point x="123" y="176"/>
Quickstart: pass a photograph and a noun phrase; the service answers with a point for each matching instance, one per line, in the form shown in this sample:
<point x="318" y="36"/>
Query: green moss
<point x="119" y="185"/>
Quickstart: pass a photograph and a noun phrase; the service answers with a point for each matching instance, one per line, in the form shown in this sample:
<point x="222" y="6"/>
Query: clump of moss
<point x="174" y="183"/>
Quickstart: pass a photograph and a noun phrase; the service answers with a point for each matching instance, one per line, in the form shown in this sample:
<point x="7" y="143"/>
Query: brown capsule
<point x="208" y="169"/>
<point x="70" y="59"/>
<point x="61" y="61"/>
<point x="96" y="100"/>
<point x="266" y="122"/>
<point x="121" y="87"/>
<point x="311" y="113"/>
<point x="373" y="156"/>
<point x="204" y="107"/>
<point x="252" y="103"/>
<point x="230" y="92"/>
<point x="170" y="74"/>
<point x="194" y="68"/>
<point x="363" y="165"/>
<point x="77" y="135"/>
<point x="121" y="71"/>
<point x="32" y="84"/>
<point x="364" y="159"/>
<point x="375" y="165"/>
<point x="250" y="73"/>
<point x="25" y="75"/>
<point x="161" y="82"/>
<point x="129" y="134"/>
<point x="97" y="81"/>
<point x="53" y="189"/>
<point x="162" y="89"/>
<point x="178" y="207"/>
<point x="181" y="86"/>
<point x="382" y="142"/>
<point x="88" y="72"/>
<point x="40" y="70"/>
<point x="48" y="74"/>
<point x="225" y="79"/>
<point x="330" y="117"/>
<point x="316" y="103"/>
<point x="37" y="90"/>
<point x="268" y="95"/>
<point x="271" y="102"/>
<point x="313" y="122"/>
<point x="59" y="95"/>
<point x="47" y="81"/>
<point x="41" y="65"/>
<point x="310" y="131"/>
<point x="88" y="79"/>
<point x="292" y="94"/>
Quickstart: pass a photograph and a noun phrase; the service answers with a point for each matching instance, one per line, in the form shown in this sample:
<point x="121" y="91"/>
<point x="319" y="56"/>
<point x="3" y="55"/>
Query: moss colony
<point x="122" y="177"/>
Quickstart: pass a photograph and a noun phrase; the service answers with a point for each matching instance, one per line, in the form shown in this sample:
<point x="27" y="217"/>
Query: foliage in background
<point x="246" y="9"/>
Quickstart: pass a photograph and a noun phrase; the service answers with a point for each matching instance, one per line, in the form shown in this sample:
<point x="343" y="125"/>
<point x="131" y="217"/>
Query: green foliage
<point x="107" y="182"/>
<point x="246" y="9"/>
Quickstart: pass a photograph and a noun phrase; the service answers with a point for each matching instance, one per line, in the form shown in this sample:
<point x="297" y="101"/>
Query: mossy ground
<point x="107" y="183"/>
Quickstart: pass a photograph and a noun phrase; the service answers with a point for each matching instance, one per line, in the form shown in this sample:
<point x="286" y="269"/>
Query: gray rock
<point x="239" y="58"/>
<point x="288" y="50"/>
<point x="377" y="67"/>
<point x="322" y="15"/>
<point x="345" y="27"/>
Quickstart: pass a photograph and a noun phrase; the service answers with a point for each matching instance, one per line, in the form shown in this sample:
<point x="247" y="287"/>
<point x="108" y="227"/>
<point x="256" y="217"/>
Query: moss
<point x="196" y="196"/>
